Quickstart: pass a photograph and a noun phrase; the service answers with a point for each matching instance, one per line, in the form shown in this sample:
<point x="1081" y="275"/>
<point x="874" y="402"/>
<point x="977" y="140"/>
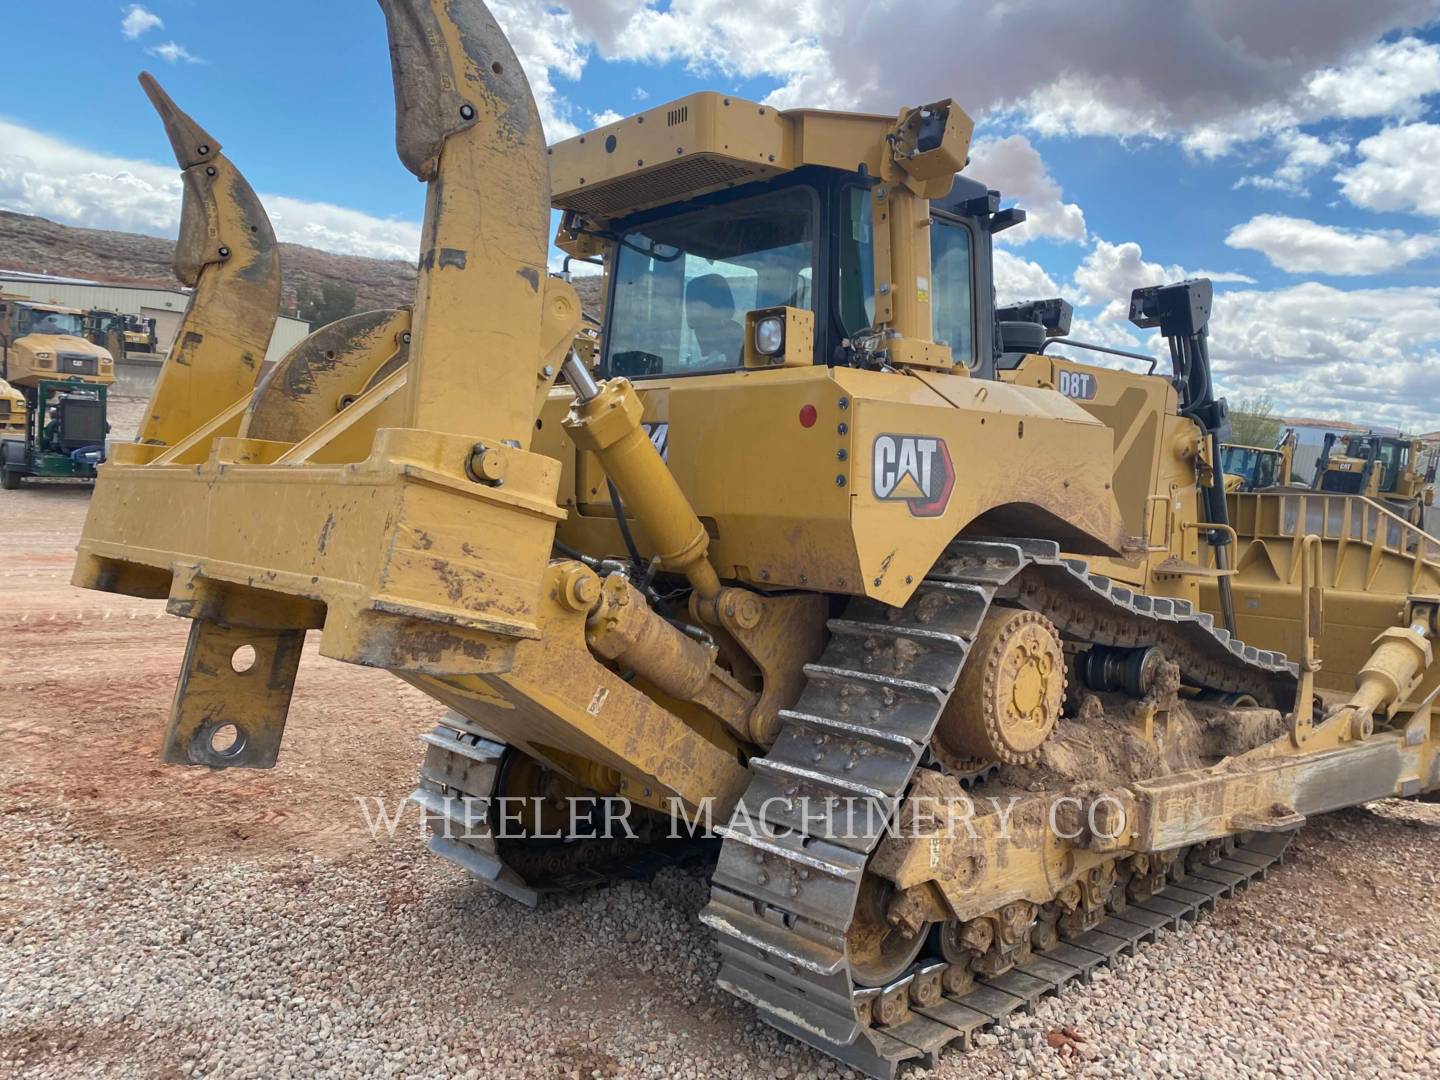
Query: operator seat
<point x="710" y="313"/>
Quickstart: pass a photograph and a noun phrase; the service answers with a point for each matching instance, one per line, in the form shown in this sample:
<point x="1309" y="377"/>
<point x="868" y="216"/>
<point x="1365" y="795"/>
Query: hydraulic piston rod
<point x="605" y="420"/>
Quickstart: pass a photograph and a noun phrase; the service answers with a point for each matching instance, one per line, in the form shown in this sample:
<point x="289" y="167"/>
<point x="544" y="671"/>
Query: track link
<point x="786" y="885"/>
<point x="460" y="779"/>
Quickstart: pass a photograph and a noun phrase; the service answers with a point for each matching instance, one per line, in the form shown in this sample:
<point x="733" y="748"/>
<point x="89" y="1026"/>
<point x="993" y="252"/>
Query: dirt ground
<point x="163" y="921"/>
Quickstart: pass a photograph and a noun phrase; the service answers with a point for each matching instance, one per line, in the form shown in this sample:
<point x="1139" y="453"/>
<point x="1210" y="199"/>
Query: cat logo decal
<point x="916" y="470"/>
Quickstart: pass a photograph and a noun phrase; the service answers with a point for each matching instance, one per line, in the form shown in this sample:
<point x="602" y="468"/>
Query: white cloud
<point x="1318" y="350"/>
<point x="1390" y="79"/>
<point x="1015" y="167"/>
<point x="1301" y="246"/>
<point x="138" y="20"/>
<point x="608" y="116"/>
<point x="1387" y="79"/>
<point x="1305" y="155"/>
<point x="1211" y="73"/>
<point x="1020" y="279"/>
<point x="746" y="38"/>
<point x="172" y="52"/>
<point x="1110" y="272"/>
<point x="55" y="179"/>
<point x="641" y="94"/>
<point x="1397" y="171"/>
<point x="339" y="229"/>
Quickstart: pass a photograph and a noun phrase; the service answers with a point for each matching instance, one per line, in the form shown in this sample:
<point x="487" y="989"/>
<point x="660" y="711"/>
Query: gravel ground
<point x="157" y="922"/>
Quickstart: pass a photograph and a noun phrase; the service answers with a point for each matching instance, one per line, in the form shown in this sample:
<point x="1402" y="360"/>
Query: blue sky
<point x="1291" y="148"/>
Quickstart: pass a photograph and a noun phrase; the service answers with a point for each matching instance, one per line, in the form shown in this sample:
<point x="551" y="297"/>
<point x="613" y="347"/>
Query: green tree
<point x="1251" y="422"/>
<point x="334" y="300"/>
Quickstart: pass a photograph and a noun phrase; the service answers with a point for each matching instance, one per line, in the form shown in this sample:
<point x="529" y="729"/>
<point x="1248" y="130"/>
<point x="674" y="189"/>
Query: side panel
<point x="1157" y="456"/>
<point x="851" y="481"/>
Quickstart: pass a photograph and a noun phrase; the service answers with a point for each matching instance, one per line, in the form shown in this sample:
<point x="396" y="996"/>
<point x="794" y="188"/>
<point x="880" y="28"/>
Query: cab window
<point x="855" y="270"/>
<point x="39" y="321"/>
<point x="1266" y="466"/>
<point x="1390" y="462"/>
<point x="683" y="284"/>
<point x="952" y="289"/>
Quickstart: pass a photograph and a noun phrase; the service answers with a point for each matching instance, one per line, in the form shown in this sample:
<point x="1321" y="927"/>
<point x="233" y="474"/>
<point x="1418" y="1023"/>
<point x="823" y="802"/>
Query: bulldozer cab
<point x="716" y="213"/>
<point x="107" y="329"/>
<point x="686" y="280"/>
<point x="1253" y="467"/>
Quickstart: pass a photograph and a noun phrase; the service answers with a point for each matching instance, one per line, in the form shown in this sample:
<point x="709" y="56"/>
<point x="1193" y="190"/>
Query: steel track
<point x="783" y="893"/>
<point x="786" y="885"/>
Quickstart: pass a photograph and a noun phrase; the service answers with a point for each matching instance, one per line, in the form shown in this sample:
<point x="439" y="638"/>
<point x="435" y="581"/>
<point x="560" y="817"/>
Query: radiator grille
<point x="78" y="364"/>
<point x="1348" y="483"/>
<point x="678" y="116"/>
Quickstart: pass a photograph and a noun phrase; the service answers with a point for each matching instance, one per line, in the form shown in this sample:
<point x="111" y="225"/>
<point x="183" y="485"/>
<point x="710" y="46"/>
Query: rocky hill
<point x="39" y="246"/>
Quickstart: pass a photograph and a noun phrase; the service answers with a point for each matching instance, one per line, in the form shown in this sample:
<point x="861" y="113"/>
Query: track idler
<point x="1010" y="693"/>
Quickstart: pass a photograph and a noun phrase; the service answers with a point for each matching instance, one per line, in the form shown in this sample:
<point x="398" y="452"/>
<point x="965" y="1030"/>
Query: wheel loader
<point x="958" y="647"/>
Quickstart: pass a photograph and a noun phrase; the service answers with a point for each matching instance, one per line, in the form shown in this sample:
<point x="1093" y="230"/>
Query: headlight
<point x="42" y="356"/>
<point x="770" y="335"/>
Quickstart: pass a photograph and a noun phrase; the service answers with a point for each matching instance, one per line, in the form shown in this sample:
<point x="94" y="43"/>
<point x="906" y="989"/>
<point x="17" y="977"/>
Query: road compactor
<point x="935" y="629"/>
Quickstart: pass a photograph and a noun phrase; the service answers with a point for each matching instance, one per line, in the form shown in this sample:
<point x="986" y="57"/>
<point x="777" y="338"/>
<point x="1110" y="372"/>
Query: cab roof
<point x="57" y="308"/>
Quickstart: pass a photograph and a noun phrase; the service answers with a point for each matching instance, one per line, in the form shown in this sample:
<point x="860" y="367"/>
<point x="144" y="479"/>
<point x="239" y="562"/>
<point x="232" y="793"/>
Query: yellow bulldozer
<point x="958" y="646"/>
<point x="121" y="334"/>
<point x="1396" y="470"/>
